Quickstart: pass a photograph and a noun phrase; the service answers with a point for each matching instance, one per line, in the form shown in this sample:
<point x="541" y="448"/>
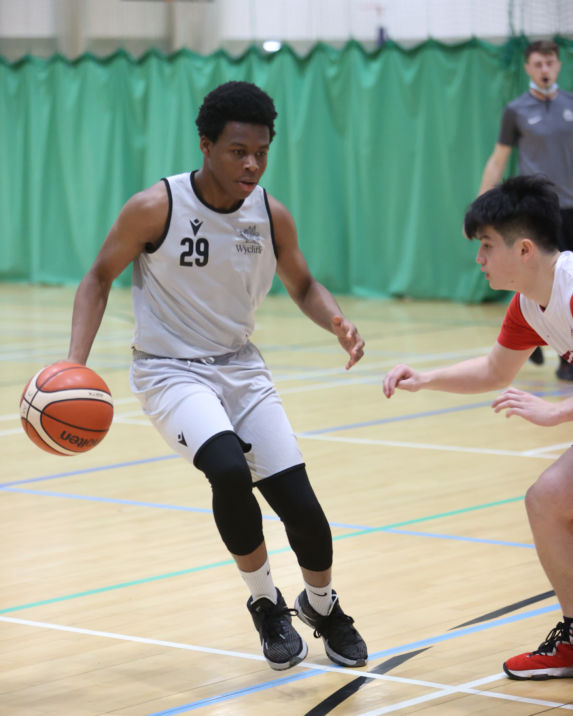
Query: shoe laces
<point x="335" y="621"/>
<point x="558" y="634"/>
<point x="275" y="619"/>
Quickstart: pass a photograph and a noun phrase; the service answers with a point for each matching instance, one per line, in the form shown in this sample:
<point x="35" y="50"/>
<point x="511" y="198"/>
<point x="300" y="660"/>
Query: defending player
<point x="205" y="247"/>
<point x="517" y="224"/>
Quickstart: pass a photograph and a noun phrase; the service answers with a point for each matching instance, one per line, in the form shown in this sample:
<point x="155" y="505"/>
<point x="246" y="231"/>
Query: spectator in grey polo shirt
<point x="540" y="124"/>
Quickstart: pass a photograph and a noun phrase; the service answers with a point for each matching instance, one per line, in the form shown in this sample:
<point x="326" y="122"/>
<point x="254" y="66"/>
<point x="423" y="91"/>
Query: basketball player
<point x="540" y="124"/>
<point x="205" y="247"/>
<point x="517" y="224"/>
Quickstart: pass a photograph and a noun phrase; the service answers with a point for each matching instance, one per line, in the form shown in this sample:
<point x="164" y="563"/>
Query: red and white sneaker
<point x="551" y="660"/>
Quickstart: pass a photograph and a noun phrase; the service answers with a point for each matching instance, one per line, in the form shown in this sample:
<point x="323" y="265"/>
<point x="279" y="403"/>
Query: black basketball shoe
<point x="343" y="644"/>
<point x="282" y="645"/>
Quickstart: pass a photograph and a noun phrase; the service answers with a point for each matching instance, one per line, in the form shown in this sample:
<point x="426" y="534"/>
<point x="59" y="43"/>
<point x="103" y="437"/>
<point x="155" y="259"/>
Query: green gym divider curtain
<point x="377" y="155"/>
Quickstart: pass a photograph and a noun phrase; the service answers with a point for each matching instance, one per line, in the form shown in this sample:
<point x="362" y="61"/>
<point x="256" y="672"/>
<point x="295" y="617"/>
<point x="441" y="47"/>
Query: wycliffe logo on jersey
<point x="249" y="241"/>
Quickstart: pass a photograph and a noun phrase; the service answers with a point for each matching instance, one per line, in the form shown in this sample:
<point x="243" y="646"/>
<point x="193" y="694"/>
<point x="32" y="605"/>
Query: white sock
<point x="320" y="598"/>
<point x="260" y="583"/>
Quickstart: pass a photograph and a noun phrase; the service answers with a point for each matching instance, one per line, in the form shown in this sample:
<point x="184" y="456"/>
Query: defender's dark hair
<point x="235" y="102"/>
<point x="544" y="47"/>
<point x="523" y="206"/>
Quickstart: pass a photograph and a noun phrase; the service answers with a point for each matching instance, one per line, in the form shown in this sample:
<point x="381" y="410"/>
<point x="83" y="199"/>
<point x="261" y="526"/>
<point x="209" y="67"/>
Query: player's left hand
<point x="527" y="406"/>
<point x="349" y="339"/>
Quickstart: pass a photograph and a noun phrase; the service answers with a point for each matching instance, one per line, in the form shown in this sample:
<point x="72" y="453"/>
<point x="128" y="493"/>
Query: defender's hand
<point x="527" y="406"/>
<point x="403" y="377"/>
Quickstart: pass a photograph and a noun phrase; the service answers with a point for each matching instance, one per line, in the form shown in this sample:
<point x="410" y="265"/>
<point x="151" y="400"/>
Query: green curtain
<point x="377" y="155"/>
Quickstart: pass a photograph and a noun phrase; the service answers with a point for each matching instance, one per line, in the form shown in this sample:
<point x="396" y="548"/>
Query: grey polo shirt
<point x="543" y="133"/>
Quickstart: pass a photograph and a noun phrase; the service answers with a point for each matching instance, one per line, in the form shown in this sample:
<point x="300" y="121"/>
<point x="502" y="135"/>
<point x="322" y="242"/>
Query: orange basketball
<point x="66" y="408"/>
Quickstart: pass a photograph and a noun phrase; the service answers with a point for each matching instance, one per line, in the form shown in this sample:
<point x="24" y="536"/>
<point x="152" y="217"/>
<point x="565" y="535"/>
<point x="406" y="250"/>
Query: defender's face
<point x="543" y="69"/>
<point x="238" y="159"/>
<point x="498" y="261"/>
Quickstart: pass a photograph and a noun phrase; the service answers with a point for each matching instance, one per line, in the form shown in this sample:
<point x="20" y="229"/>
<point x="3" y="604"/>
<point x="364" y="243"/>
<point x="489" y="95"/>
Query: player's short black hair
<point x="523" y="206"/>
<point x="544" y="47"/>
<point x="235" y="102"/>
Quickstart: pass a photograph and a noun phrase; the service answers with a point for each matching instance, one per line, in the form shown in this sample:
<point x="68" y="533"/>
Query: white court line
<point x="224" y="652"/>
<point x="136" y="418"/>
<point x="467" y="689"/>
<point x="537" y="451"/>
<point x="434" y="446"/>
<point x="17" y="431"/>
<point x="442" y="689"/>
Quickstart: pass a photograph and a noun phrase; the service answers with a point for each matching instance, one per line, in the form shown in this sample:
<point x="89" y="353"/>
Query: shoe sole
<point x="332" y="655"/>
<point x="539" y="674"/>
<point x="276" y="666"/>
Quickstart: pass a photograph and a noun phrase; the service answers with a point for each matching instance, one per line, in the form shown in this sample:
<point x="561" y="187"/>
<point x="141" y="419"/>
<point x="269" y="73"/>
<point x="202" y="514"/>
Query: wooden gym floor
<point x="118" y="597"/>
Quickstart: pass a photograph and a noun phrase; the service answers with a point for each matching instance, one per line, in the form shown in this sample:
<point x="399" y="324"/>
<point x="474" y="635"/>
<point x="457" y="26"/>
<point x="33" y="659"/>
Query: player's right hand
<point x="403" y="377"/>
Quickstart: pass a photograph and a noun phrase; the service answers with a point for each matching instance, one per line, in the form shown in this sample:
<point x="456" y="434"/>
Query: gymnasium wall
<point x="377" y="154"/>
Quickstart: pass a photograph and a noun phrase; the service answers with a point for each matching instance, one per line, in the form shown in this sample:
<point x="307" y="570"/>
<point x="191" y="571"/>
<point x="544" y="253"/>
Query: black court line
<point x="506" y="610"/>
<point x="336" y="698"/>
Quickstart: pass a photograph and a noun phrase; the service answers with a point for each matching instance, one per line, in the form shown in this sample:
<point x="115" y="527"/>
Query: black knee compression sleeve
<point x="291" y="496"/>
<point x="235" y="508"/>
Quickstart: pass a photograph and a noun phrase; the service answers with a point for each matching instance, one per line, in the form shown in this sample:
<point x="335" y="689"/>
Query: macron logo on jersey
<point x="195" y="225"/>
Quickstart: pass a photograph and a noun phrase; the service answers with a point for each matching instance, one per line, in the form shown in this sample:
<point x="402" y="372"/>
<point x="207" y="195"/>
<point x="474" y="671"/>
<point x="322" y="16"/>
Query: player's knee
<point x="223" y="462"/>
<point x="292" y="498"/>
<point x="235" y="508"/>
<point x="550" y="496"/>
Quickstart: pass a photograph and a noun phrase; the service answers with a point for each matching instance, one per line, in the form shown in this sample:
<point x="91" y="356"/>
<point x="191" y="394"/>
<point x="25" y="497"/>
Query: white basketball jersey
<point x="195" y="292"/>
<point x="555" y="323"/>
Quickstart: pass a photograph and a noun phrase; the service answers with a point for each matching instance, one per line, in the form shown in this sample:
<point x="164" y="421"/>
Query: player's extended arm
<point x="313" y="299"/>
<point x="476" y="375"/>
<point x="141" y="220"/>
<point x="494" y="167"/>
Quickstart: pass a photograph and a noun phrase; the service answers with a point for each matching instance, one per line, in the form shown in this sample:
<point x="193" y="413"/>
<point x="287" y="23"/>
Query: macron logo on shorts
<point x="181" y="439"/>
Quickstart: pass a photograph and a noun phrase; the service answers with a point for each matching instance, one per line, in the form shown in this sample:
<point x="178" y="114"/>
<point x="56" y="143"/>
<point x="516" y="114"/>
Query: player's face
<point x="237" y="160"/>
<point x="543" y="69"/>
<point x="498" y="261"/>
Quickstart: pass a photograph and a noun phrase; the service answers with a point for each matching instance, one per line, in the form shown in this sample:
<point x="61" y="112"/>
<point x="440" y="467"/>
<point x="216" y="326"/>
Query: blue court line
<point x="425" y="414"/>
<point x="230" y="695"/>
<point x="272" y="518"/>
<point x="186" y="708"/>
<point x="322" y="431"/>
<point x="112" y="500"/>
<point x="200" y="568"/>
<point x="461" y="538"/>
<point x="88" y="470"/>
<point x="394" y="419"/>
<point x="141" y="503"/>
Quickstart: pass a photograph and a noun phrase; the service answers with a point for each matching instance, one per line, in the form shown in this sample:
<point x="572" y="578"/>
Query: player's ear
<point x="527" y="247"/>
<point x="204" y="145"/>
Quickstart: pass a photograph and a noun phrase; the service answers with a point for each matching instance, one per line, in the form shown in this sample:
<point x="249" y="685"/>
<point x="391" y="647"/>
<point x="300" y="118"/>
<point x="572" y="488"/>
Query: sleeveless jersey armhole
<point x="270" y="222"/>
<point x="152" y="247"/>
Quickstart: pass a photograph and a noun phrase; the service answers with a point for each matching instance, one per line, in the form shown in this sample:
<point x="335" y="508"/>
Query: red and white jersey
<point x="527" y="324"/>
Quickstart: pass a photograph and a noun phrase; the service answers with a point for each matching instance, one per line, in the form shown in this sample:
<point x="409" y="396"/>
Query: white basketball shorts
<point x="189" y="401"/>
